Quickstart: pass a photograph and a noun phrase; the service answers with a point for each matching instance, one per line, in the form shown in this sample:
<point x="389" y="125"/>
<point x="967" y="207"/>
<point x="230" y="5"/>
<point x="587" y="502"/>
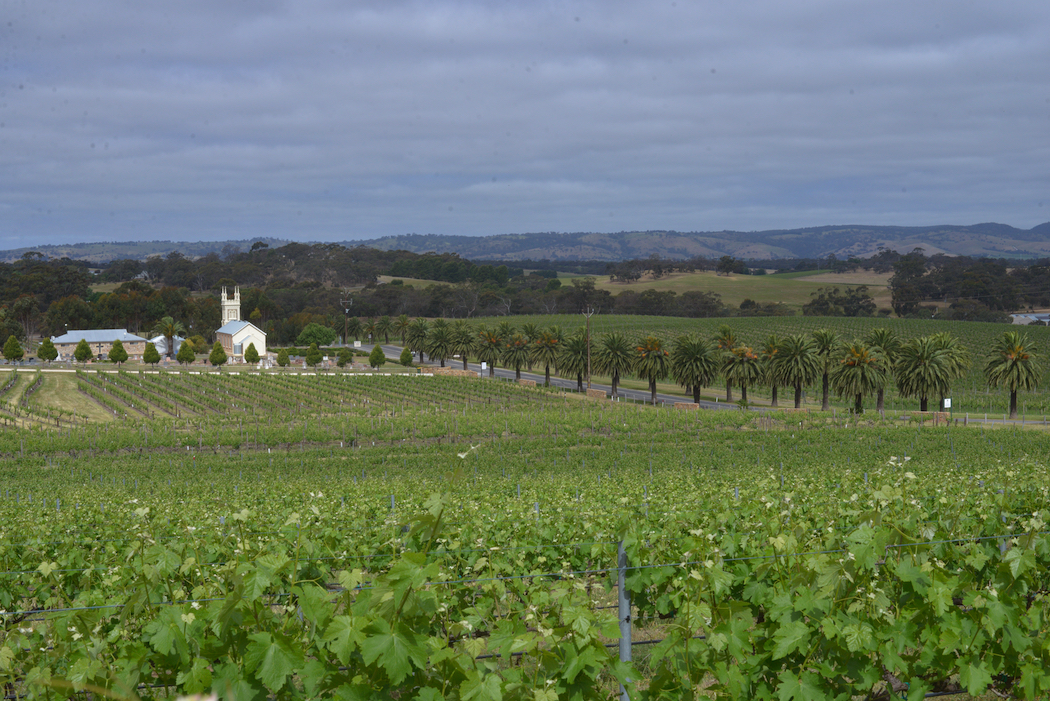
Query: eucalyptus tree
<point x="572" y="358"/>
<point x="544" y="350"/>
<point x="797" y="364"/>
<point x="1013" y="364"/>
<point x="613" y="356"/>
<point x="488" y="347"/>
<point x="515" y="353"/>
<point x="922" y="369"/>
<point x="695" y="363"/>
<point x="825" y="343"/>
<point x="858" y="369"/>
<point x="742" y="366"/>
<point x="652" y="362"/>
<point x="768" y="351"/>
<point x="888" y="344"/>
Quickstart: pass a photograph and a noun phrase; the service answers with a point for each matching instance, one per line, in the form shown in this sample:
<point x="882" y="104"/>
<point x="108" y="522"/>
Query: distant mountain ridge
<point x="989" y="239"/>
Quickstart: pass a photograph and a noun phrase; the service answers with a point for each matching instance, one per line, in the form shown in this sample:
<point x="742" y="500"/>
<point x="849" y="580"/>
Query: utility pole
<point x="588" y="312"/>
<point x="347" y="303"/>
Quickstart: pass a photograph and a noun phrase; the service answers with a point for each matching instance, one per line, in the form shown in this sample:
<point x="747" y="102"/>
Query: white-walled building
<point x="236" y="335"/>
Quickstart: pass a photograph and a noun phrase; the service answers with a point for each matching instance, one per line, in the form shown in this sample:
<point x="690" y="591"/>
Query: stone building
<point x="99" y="340"/>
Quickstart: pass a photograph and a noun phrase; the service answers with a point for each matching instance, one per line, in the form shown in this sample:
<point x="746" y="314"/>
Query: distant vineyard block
<point x="453" y="372"/>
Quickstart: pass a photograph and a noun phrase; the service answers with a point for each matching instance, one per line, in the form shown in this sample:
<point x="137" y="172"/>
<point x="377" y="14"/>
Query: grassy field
<point x="793" y="289"/>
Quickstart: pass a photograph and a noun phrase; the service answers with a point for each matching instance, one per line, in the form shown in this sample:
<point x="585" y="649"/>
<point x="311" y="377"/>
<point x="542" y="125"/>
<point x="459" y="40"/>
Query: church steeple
<point x="231" y="305"/>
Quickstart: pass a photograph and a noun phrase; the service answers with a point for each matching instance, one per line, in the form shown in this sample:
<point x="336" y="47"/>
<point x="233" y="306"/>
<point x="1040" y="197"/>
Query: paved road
<point x="392" y="351"/>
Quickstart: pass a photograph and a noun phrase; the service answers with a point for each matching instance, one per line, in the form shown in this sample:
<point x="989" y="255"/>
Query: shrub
<point x="117" y="354"/>
<point x="251" y="355"/>
<point x="218" y="355"/>
<point x="186" y="353"/>
<point x="406" y="358"/>
<point x="282" y="358"/>
<point x="13" y="349"/>
<point x="377" y="359"/>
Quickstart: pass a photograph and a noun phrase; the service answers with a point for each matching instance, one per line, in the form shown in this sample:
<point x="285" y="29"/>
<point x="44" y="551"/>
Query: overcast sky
<point x="339" y="120"/>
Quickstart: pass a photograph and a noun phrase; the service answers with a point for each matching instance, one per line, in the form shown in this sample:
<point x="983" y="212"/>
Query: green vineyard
<point x="416" y="537"/>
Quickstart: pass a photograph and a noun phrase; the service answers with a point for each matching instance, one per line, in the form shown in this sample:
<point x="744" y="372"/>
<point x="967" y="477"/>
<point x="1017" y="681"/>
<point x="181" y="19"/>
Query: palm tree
<point x="797" y="364"/>
<point x="169" y="329"/>
<point x="769" y="350"/>
<point x="353" y="328"/>
<point x="462" y="341"/>
<point x="401" y="327"/>
<point x="516" y="353"/>
<point x="888" y="344"/>
<point x="742" y="366"/>
<point x="505" y="329"/>
<point x="958" y="360"/>
<point x="613" y="356"/>
<point x="369" y="328"/>
<point x="1013" y="364"/>
<point x="694" y="364"/>
<point x="531" y="331"/>
<point x="439" y="342"/>
<point x="652" y="362"/>
<point x="826" y="343"/>
<point x="572" y="358"/>
<point x="383" y="327"/>
<point x="488" y="347"/>
<point x="922" y="369"/>
<point x="416" y="336"/>
<point x="726" y="341"/>
<point x="544" y="350"/>
<point x="860" y="370"/>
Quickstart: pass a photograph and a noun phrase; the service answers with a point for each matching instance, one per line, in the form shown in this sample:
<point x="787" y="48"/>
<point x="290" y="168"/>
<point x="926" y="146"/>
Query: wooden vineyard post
<point x="623" y="611"/>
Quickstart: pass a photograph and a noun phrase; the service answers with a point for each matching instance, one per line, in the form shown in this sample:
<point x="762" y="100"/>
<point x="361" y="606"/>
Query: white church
<point x="236" y="335"/>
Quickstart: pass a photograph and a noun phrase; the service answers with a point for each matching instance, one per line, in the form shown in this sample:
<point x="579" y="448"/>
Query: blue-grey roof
<point x="97" y="336"/>
<point x="232" y="327"/>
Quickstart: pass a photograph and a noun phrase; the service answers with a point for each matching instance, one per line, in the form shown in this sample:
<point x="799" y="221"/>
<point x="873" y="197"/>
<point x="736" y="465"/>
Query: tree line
<point x="924" y="367"/>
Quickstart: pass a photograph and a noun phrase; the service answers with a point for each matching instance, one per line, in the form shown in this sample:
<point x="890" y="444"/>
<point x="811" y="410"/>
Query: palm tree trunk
<point x="824" y="403"/>
<point x="442" y="362"/>
<point x="492" y="369"/>
<point x="923" y="404"/>
<point x="652" y="390"/>
<point x="615" y="385"/>
<point x="1013" y="404"/>
<point x="729" y="390"/>
<point x="774" y="402"/>
<point x="579" y="382"/>
<point x="880" y="402"/>
<point x="464" y="362"/>
<point x="743" y="393"/>
<point x="798" y="396"/>
<point x="546" y="375"/>
<point x="696" y="394"/>
<point x="517" y="373"/>
<point x="858" y="408"/>
<point x="940" y="406"/>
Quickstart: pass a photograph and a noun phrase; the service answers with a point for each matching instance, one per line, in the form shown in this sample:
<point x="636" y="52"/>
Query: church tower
<point x="231" y="305"/>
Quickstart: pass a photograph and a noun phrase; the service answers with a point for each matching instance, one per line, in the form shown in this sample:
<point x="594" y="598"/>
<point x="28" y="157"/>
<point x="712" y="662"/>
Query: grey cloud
<point x="334" y="120"/>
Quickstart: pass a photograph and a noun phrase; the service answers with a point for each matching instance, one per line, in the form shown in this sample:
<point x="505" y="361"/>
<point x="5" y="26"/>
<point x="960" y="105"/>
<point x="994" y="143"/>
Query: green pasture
<point x="793" y="289"/>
